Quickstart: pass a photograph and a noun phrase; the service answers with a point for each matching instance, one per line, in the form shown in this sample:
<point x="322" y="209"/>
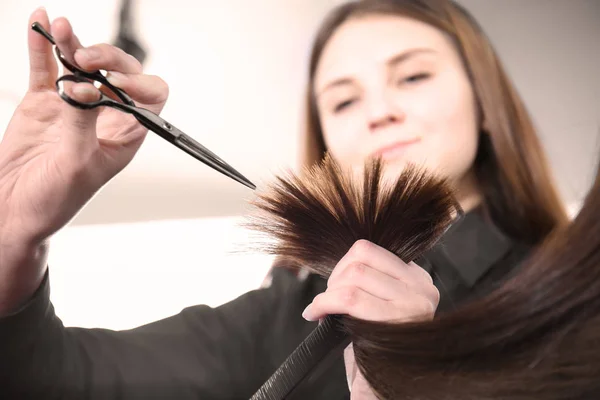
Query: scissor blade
<point x="175" y="136"/>
<point x="200" y="152"/>
<point x="211" y="159"/>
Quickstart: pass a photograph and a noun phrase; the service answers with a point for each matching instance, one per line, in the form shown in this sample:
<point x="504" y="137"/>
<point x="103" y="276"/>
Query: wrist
<point x="22" y="269"/>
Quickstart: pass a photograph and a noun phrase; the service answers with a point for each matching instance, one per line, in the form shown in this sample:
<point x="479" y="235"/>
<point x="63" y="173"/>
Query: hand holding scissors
<point x="109" y="95"/>
<point x="55" y="157"/>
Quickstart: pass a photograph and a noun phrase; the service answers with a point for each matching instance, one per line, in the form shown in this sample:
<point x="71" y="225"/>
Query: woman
<point x="397" y="78"/>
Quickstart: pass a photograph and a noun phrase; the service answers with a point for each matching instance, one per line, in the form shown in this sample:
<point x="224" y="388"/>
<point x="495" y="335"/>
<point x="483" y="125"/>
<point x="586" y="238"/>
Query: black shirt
<point x="225" y="352"/>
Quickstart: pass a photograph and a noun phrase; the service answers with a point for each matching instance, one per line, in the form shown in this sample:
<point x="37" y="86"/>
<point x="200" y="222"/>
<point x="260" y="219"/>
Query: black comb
<point x="312" y="357"/>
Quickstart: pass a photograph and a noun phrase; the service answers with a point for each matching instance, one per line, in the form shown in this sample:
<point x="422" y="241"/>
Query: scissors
<point x="145" y="117"/>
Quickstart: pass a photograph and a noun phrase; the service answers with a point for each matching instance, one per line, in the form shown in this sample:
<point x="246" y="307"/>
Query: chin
<point x="391" y="175"/>
<point x="393" y="169"/>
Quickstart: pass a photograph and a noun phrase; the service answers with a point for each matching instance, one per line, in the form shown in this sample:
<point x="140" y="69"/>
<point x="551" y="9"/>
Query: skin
<point x="392" y="81"/>
<point x="54" y="157"/>
<point x="371" y="283"/>
<point x="385" y="80"/>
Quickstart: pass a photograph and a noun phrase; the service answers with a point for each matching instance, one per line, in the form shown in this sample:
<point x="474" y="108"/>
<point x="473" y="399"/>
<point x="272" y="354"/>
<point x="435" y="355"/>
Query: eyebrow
<point x="395" y="60"/>
<point x="399" y="58"/>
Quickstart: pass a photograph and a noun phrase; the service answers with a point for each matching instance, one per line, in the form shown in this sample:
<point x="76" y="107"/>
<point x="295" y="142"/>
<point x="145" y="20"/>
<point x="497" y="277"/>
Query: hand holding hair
<point x="356" y="234"/>
<point x="373" y="284"/>
<point x="535" y="337"/>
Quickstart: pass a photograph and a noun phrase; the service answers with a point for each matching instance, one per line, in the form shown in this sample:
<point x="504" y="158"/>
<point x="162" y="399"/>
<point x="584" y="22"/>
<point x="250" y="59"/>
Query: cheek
<point x="449" y="126"/>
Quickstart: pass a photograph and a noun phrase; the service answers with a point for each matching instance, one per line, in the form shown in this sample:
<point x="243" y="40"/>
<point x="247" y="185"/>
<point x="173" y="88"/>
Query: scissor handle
<point x="145" y="117"/>
<point x="102" y="99"/>
<point x="96" y="75"/>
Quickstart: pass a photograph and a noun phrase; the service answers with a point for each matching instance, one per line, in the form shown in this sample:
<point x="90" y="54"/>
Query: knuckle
<point x="415" y="309"/>
<point x="134" y="61"/>
<point x="116" y="55"/>
<point x="349" y="297"/>
<point x="115" y="51"/>
<point x="434" y="296"/>
<point x="427" y="308"/>
<point x="361" y="247"/>
<point x="356" y="271"/>
<point x="106" y="49"/>
<point x="426" y="275"/>
<point x="420" y="272"/>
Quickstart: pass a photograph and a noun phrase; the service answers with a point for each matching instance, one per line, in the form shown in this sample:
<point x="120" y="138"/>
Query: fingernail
<point x="306" y="314"/>
<point x="116" y="78"/>
<point x="88" y="54"/>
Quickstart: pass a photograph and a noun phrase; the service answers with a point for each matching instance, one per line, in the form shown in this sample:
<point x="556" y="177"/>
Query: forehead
<point x="361" y="43"/>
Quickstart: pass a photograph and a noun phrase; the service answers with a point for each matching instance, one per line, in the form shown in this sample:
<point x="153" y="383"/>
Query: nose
<point x="381" y="111"/>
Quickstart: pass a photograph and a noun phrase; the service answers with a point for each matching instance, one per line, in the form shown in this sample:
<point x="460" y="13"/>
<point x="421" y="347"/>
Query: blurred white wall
<point x="236" y="72"/>
<point x="158" y="237"/>
<point x="124" y="275"/>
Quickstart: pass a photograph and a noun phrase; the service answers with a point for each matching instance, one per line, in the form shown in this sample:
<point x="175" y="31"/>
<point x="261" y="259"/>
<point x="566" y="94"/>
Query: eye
<point x="343" y="105"/>
<point x="415" y="78"/>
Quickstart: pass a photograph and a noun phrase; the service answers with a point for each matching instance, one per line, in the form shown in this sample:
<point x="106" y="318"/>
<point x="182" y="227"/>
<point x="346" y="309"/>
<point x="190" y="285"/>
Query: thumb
<point x="350" y="364"/>
<point x="43" y="69"/>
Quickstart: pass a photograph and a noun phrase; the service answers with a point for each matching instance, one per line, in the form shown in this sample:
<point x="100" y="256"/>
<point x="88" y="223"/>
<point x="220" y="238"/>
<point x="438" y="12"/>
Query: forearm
<point x="22" y="269"/>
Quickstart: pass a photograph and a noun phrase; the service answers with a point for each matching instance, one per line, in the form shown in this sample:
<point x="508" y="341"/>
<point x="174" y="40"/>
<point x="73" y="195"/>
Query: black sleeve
<point x="200" y="353"/>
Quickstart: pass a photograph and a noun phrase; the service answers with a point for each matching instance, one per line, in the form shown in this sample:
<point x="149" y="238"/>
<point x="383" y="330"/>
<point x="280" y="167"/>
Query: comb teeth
<point x="323" y="346"/>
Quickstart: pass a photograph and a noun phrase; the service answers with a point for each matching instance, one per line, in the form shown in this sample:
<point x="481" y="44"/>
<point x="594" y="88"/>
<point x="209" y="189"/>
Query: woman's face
<point x="395" y="87"/>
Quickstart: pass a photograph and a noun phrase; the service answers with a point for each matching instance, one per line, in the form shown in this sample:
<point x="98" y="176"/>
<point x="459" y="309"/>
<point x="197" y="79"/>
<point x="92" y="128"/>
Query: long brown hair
<point x="535" y="337"/>
<point x="510" y="166"/>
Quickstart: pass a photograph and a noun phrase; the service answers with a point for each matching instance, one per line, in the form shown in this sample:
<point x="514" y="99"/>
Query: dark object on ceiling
<point x="126" y="38"/>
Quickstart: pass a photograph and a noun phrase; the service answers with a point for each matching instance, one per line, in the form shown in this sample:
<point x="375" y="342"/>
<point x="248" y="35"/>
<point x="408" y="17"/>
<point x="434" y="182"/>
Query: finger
<point x="83" y="92"/>
<point x="416" y="280"/>
<point x="107" y="57"/>
<point x="43" y="70"/>
<point x="80" y="125"/>
<point x="351" y="301"/>
<point x="145" y="89"/>
<point x="418" y="272"/>
<point x="373" y="255"/>
<point x="65" y="39"/>
<point x="373" y="282"/>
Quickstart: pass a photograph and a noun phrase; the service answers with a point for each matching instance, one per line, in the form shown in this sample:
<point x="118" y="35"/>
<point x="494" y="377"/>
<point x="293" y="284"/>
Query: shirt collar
<point x="471" y="247"/>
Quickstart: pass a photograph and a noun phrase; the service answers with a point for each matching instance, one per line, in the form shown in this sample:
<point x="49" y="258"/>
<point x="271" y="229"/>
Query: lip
<point x="396" y="149"/>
